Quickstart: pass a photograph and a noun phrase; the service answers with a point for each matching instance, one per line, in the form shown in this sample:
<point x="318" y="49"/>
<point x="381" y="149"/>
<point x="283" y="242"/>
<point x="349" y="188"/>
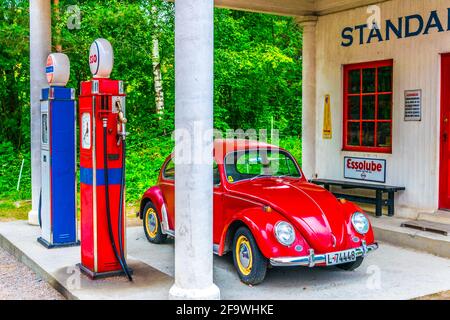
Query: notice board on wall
<point x="365" y="169"/>
<point x="327" y="132"/>
<point x="413" y="105"/>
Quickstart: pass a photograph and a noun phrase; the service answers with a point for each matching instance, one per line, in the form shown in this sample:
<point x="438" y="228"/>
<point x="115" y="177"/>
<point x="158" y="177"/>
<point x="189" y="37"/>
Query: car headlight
<point x="360" y="222"/>
<point x="285" y="233"/>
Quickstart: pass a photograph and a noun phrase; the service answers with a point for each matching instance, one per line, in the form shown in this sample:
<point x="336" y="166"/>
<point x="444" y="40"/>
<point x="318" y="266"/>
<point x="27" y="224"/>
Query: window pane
<point x="368" y="107"/>
<point x="169" y="171"/>
<point x="384" y="134"/>
<point x="216" y="174"/>
<point x="353" y="108"/>
<point x="353" y="134"/>
<point x="44" y="128"/>
<point x="385" y="79"/>
<point x="368" y="137"/>
<point x="368" y="80"/>
<point x="354" y="81"/>
<point x="256" y="164"/>
<point x="293" y="171"/>
<point x="385" y="107"/>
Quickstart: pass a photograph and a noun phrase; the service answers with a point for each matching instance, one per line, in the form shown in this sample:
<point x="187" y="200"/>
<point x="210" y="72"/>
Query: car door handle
<point x="444" y="136"/>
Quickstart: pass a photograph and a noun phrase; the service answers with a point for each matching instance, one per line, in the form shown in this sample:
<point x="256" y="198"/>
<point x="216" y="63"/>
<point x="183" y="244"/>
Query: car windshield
<point x="254" y="164"/>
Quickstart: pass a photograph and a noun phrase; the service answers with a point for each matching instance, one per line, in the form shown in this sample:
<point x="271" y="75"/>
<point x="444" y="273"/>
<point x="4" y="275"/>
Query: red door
<point x="444" y="192"/>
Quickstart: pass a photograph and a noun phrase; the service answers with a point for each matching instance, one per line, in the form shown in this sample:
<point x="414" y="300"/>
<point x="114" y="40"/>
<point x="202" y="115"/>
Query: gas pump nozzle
<point x="121" y="130"/>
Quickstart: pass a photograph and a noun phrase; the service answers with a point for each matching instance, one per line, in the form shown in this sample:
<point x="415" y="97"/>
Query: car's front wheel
<point x="152" y="225"/>
<point x="351" y="265"/>
<point x="250" y="264"/>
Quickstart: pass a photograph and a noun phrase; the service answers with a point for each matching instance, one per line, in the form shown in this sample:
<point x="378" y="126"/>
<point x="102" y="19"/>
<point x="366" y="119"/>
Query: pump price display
<point x="226" y="310"/>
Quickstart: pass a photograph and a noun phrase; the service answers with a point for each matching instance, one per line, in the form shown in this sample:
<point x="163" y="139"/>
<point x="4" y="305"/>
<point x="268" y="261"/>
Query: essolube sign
<point x="365" y="169"/>
<point x="404" y="27"/>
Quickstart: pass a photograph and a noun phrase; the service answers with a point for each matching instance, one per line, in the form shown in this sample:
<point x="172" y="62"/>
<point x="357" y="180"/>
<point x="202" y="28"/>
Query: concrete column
<point x="40" y="47"/>
<point x="194" y="52"/>
<point x="309" y="96"/>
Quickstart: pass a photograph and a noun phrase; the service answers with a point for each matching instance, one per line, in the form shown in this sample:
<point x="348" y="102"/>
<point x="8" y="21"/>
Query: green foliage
<point x="10" y="164"/>
<point x="257" y="72"/>
<point x="257" y="78"/>
<point x="14" y="72"/>
<point x="294" y="146"/>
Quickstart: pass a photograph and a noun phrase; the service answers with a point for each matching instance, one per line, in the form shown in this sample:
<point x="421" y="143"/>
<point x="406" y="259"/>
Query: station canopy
<point x="294" y="7"/>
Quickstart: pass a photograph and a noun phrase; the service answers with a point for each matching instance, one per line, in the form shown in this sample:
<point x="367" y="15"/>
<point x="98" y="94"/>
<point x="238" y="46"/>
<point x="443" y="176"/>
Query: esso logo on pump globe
<point x="49" y="69"/>
<point x="101" y="58"/>
<point x="93" y="60"/>
<point x="57" y="69"/>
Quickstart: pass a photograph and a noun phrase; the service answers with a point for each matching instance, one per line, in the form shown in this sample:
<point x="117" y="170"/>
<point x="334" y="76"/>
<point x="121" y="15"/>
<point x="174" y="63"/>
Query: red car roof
<point x="231" y="145"/>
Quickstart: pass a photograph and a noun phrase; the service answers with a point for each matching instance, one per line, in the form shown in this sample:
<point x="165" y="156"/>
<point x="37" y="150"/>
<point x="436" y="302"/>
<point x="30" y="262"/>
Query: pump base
<point x="49" y="245"/>
<point x="102" y="275"/>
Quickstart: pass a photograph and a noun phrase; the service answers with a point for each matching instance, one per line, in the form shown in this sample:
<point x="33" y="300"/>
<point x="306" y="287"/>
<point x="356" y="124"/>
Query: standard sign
<point x="413" y="105"/>
<point x="365" y="169"/>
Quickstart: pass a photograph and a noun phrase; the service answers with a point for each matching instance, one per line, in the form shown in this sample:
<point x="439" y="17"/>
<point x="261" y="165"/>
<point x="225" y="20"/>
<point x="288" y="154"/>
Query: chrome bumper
<point x="312" y="259"/>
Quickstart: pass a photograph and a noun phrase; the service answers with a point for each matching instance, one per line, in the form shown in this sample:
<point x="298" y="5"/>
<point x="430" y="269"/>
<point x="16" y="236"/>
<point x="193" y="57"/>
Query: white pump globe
<point x="57" y="69"/>
<point x="101" y="58"/>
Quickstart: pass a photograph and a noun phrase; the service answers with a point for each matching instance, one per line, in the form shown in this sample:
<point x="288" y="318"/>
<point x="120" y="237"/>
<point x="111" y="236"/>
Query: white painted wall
<point x="414" y="162"/>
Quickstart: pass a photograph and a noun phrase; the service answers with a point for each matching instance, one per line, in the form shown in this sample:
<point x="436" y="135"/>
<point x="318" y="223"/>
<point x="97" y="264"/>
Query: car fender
<point x="261" y="224"/>
<point x="155" y="196"/>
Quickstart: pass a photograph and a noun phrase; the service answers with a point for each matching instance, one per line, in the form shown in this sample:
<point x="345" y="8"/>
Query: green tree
<point x="257" y="77"/>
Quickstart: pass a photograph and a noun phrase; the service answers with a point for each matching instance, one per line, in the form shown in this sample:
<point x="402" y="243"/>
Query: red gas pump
<point x="102" y="168"/>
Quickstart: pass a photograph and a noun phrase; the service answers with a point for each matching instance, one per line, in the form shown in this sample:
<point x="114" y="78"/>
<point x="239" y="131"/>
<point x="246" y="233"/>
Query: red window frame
<point x="361" y="66"/>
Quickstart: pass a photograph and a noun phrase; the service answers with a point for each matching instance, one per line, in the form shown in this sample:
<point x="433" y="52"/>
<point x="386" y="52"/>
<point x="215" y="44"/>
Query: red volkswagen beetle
<point x="266" y="213"/>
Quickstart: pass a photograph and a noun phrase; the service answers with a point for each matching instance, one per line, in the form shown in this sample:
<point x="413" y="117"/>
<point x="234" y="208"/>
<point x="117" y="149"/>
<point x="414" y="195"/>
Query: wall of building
<point x="414" y="162"/>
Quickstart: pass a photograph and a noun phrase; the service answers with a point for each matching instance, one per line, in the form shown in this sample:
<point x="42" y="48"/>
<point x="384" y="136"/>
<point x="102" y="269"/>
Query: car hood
<point x="314" y="211"/>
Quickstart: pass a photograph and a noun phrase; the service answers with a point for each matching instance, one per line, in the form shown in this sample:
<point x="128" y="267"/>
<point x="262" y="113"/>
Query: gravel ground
<point x="438" y="296"/>
<point x="18" y="282"/>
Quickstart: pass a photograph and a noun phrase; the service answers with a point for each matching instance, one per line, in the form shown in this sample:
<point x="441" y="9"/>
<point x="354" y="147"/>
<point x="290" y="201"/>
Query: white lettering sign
<point x="365" y="169"/>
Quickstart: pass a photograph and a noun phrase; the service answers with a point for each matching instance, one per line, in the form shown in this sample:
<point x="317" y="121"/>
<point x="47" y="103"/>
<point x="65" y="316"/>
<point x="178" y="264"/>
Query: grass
<point x="11" y="210"/>
<point x="14" y="210"/>
<point x="143" y="164"/>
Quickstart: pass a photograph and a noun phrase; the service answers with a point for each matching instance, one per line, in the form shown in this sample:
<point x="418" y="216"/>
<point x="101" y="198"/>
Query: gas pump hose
<point x="40" y="209"/>
<point x="122" y="191"/>
<point x="118" y="255"/>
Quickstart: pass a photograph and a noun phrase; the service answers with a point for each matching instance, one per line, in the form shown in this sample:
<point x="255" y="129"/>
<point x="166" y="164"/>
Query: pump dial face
<point x="86" y="131"/>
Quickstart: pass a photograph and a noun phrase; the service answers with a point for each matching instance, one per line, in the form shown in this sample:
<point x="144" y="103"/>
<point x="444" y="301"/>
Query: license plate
<point x="341" y="257"/>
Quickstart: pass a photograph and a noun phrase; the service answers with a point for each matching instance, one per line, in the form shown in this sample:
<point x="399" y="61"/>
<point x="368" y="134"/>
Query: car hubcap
<point x="152" y="223"/>
<point x="244" y="255"/>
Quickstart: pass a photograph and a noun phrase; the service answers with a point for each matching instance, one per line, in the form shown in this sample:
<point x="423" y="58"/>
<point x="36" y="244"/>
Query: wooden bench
<point x="378" y="201"/>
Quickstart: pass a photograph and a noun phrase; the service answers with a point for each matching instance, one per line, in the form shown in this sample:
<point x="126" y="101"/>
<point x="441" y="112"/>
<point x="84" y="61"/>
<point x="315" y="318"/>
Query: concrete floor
<point x="389" y="273"/>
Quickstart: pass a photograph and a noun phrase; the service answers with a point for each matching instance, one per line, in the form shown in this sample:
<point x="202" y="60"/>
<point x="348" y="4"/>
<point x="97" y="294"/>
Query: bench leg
<point x="391" y="203"/>
<point x="379" y="204"/>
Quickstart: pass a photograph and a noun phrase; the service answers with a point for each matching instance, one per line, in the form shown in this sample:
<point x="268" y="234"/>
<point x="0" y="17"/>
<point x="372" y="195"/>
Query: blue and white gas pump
<point x="58" y="210"/>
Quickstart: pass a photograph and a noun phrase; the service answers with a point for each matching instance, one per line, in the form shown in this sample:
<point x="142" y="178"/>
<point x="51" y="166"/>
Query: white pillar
<point x="194" y="52"/>
<point x="309" y="96"/>
<point x="40" y="47"/>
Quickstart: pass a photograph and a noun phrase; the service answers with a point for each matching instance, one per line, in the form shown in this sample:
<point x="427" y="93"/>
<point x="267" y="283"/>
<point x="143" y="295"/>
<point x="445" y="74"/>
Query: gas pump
<point x="102" y="168"/>
<point x="57" y="214"/>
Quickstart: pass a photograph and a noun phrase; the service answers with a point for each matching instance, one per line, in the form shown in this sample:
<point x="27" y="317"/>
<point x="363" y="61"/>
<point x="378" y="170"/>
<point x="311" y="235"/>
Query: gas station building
<point x="376" y="104"/>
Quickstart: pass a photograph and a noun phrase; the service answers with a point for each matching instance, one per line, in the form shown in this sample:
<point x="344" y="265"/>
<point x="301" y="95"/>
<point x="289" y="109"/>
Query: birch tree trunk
<point x="157" y="77"/>
<point x="56" y="9"/>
